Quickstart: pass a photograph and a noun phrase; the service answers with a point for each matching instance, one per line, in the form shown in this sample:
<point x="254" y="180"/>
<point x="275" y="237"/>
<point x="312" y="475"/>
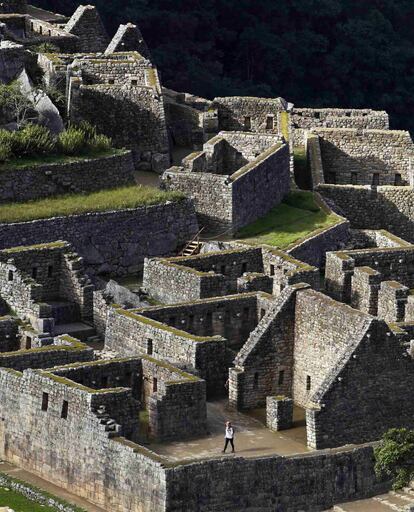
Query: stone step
<point x="79" y="330"/>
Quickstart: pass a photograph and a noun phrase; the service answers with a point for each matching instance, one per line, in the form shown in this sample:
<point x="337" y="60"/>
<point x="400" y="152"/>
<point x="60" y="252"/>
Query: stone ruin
<point x="118" y="393"/>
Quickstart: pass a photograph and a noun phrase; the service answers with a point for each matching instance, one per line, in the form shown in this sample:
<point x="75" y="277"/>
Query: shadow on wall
<point x="390" y="208"/>
<point x="340" y="168"/>
<point x="127" y="122"/>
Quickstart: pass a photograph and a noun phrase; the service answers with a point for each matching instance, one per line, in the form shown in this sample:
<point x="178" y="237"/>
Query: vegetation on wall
<point x="347" y="53"/>
<point x="34" y="141"/>
<point x="120" y="198"/>
<point x="394" y="457"/>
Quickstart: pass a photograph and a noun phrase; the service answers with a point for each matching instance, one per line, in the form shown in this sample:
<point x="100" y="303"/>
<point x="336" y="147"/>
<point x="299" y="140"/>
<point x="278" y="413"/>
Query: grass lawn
<point x="21" y="163"/>
<point x="132" y="196"/>
<point x="294" y="219"/>
<point x="19" y="503"/>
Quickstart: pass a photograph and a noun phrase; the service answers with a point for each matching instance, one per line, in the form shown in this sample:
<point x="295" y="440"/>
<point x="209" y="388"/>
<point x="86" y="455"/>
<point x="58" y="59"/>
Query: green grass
<point x="19" y="503"/>
<point x="291" y="221"/>
<point x="22" y="163"/>
<point x="132" y="196"/>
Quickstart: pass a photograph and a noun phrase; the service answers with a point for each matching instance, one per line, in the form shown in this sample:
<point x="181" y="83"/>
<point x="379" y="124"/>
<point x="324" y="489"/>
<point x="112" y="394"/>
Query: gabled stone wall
<point x="87" y="25"/>
<point x="367" y="393"/>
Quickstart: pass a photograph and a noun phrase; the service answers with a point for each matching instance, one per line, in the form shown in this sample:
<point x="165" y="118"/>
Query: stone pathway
<point x="400" y="501"/>
<point x="44" y="485"/>
<point x="252" y="438"/>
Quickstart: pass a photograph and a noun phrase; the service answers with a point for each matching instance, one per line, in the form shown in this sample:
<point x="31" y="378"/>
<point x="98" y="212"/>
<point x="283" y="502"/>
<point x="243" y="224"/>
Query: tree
<point x="15" y="106"/>
<point x="394" y="457"/>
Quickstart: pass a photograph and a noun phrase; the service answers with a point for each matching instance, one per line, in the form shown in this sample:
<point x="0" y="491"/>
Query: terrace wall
<point x="390" y="208"/>
<point x="115" y="241"/>
<point x="89" y="175"/>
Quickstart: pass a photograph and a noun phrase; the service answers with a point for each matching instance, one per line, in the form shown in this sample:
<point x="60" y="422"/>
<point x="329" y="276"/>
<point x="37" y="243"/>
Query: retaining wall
<point x="112" y="242"/>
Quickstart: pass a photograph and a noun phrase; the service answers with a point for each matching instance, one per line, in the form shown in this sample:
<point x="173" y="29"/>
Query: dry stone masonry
<point x="128" y="337"/>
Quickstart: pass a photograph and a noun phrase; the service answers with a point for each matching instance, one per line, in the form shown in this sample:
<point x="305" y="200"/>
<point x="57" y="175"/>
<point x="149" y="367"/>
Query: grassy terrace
<point x="21" y="163"/>
<point x="19" y="503"/>
<point x="292" y="221"/>
<point x="132" y="196"/>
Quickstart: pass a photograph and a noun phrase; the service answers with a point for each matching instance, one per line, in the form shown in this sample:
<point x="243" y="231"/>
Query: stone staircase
<point x="399" y="501"/>
<point x="110" y="426"/>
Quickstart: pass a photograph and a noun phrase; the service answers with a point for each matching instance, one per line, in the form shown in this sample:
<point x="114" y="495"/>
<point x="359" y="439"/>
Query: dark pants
<point x="226" y="444"/>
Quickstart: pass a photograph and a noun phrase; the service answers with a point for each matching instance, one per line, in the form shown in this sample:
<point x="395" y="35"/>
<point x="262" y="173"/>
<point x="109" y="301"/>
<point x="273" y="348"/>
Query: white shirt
<point x="229" y="433"/>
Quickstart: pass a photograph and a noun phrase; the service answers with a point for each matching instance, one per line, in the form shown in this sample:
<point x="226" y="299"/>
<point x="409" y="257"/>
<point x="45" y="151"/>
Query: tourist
<point x="229" y="437"/>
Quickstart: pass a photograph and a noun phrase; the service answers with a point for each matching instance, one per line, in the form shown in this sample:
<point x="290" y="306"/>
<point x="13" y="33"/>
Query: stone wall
<point x="200" y="335"/>
<point x="393" y="263"/>
<point x="263" y="367"/>
<point x="87" y="25"/>
<point x="54" y="448"/>
<point x="120" y="71"/>
<point x="58" y="444"/>
<point x="304" y="119"/>
<point x="313" y="249"/>
<point x="260" y="186"/>
<point x="231" y="202"/>
<point x="233" y="317"/>
<point x="324" y="330"/>
<point x="9" y="334"/>
<point x="88" y="175"/>
<point x="176" y="401"/>
<point x="365" y="287"/>
<point x="131" y="114"/>
<point x="112" y="242"/>
<point x="128" y="38"/>
<point x="365" y="157"/>
<point x="368" y="393"/>
<point x="130" y="334"/>
<point x="243" y="113"/>
<point x="392" y="301"/>
<point x="182" y="279"/>
<point x="64" y="350"/>
<point x="211" y="194"/>
<point x="390" y="208"/>
<point x="36" y="281"/>
<point x="312" y="482"/>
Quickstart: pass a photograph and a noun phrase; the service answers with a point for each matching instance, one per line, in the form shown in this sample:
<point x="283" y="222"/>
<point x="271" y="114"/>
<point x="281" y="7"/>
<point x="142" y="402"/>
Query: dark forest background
<point x="348" y="53"/>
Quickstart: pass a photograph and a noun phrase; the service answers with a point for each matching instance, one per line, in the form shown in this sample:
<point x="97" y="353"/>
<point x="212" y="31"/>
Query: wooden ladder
<point x="194" y="246"/>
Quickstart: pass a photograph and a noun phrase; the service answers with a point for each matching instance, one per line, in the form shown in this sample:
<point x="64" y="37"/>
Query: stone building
<point x="121" y="397"/>
<point x="46" y="285"/>
<point x="237" y="178"/>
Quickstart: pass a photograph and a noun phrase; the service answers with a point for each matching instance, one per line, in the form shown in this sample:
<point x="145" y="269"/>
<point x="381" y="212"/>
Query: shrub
<point x="5" y="152"/>
<point x="100" y="143"/>
<point x="34" y="140"/>
<point x="88" y="129"/>
<point x="394" y="457"/>
<point x="46" y="47"/>
<point x="10" y="140"/>
<point x="72" y="141"/>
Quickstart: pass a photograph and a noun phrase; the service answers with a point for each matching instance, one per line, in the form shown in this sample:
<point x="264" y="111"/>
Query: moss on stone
<point x="47" y="246"/>
<point x="172" y="330"/>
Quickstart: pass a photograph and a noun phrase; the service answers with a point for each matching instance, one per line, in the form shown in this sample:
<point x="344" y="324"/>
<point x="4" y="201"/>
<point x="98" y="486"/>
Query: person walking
<point x="229" y="437"/>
